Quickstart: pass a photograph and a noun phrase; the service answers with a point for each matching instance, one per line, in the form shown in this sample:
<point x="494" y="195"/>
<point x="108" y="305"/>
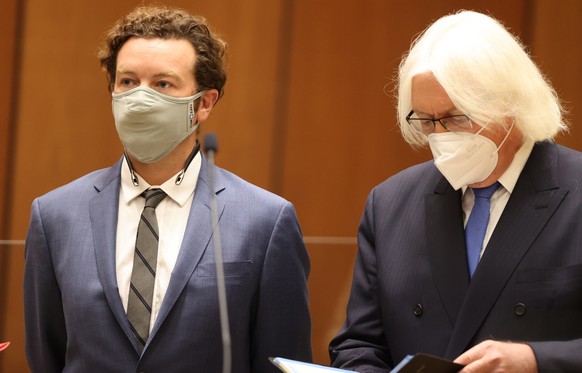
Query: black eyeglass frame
<point x="440" y="120"/>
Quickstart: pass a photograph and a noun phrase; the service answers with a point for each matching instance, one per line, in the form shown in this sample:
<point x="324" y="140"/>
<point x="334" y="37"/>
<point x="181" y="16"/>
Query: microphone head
<point x="210" y="143"/>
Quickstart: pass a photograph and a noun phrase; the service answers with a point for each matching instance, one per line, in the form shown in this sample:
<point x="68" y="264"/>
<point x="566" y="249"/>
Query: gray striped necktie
<point x="139" y="305"/>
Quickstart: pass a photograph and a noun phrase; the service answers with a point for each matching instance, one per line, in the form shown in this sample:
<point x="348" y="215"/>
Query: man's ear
<point x="207" y="102"/>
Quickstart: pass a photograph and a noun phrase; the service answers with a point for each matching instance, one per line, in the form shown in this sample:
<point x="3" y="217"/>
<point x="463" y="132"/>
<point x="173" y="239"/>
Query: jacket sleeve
<point x="361" y="343"/>
<point x="45" y="331"/>
<point x="558" y="356"/>
<point x="282" y="325"/>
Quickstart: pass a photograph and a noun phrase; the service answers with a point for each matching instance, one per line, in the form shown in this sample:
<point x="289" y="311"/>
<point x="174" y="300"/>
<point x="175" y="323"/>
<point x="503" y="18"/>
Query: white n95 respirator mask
<point x="464" y="158"/>
<point x="151" y="124"/>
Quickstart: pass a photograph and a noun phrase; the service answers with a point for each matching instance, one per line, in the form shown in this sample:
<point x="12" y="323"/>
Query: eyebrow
<point x="170" y="74"/>
<point x="121" y="70"/>
<point x="166" y="74"/>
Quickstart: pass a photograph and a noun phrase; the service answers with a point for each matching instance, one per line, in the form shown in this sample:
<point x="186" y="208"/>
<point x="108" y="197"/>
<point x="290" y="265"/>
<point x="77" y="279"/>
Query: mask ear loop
<point x="504" y="139"/>
<point x="195" y="151"/>
<point x="506" y="136"/>
<point x="134" y="178"/>
<point x="180" y="176"/>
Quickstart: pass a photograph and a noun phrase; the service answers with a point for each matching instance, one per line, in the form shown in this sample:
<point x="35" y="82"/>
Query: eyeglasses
<point x="453" y="123"/>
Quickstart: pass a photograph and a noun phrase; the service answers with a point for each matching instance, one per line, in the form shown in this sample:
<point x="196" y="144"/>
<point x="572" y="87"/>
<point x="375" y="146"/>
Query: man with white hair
<point x="475" y="256"/>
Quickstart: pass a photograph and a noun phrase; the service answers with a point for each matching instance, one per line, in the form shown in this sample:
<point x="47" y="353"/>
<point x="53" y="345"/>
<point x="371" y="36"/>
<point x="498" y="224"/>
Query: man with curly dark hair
<point x="120" y="264"/>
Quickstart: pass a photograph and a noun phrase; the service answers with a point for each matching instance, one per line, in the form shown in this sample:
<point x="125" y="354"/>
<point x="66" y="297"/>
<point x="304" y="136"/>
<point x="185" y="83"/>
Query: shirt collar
<point x="179" y="193"/>
<point x="510" y="176"/>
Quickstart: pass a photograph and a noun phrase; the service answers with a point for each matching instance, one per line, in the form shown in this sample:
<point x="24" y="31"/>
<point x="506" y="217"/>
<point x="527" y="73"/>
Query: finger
<point x="465" y="359"/>
<point x="472" y="354"/>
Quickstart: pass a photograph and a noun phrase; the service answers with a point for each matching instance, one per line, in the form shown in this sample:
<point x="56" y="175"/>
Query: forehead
<point x="428" y="96"/>
<point x="164" y="54"/>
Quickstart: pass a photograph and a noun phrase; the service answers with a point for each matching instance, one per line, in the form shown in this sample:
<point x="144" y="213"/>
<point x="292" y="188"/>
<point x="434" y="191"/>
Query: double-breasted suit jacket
<point x="411" y="289"/>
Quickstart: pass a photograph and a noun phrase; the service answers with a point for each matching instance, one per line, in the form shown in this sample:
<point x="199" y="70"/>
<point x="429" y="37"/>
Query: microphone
<point x="211" y="148"/>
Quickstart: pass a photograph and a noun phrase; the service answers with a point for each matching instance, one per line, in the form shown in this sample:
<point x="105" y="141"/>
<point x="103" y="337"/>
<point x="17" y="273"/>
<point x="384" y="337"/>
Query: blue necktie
<point x="477" y="224"/>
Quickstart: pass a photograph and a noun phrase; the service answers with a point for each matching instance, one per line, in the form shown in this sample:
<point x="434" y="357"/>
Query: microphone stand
<point x="210" y="145"/>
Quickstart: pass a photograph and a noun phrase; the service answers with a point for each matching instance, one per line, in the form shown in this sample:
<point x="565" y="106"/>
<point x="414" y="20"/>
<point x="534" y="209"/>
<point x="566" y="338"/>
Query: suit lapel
<point x="446" y="246"/>
<point x="103" y="209"/>
<point x="196" y="239"/>
<point x="533" y="201"/>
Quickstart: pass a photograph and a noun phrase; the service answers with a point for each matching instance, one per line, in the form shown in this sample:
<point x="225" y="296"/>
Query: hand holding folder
<point x="418" y="363"/>
<point x="426" y="363"/>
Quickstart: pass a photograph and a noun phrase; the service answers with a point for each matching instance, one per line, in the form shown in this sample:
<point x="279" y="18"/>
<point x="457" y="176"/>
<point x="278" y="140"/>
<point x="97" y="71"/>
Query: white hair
<point x="487" y="74"/>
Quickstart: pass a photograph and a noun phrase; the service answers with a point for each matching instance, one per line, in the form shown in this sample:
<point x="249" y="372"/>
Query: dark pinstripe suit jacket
<point x="411" y="290"/>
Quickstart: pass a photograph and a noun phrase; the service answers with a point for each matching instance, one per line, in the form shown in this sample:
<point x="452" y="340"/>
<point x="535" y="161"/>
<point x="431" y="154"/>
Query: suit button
<point x="519" y="309"/>
<point x="417" y="310"/>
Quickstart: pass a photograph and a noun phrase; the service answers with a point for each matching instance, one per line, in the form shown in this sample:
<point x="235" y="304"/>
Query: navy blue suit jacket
<point x="74" y="318"/>
<point x="411" y="290"/>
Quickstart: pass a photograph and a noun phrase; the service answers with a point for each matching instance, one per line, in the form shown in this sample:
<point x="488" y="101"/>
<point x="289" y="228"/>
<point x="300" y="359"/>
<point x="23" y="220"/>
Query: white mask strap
<point x="506" y="136"/>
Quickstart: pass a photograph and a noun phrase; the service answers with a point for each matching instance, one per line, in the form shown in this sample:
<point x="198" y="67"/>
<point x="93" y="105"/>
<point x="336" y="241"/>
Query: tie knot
<point x="153" y="197"/>
<point x="486" y="192"/>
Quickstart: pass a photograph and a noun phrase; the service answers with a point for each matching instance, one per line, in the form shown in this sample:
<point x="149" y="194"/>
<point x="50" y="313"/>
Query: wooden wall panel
<point x="8" y="31"/>
<point x="557" y="48"/>
<point x="308" y="112"/>
<point x="63" y="127"/>
<point x="342" y="133"/>
<point x="9" y="36"/>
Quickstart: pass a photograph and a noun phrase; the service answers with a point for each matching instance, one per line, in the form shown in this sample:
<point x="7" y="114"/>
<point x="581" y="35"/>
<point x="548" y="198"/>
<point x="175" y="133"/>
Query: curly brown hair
<point x="169" y="23"/>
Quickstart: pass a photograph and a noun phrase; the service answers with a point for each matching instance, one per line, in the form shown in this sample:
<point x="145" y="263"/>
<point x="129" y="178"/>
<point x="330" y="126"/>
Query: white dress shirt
<point x="501" y="196"/>
<point x="172" y="215"/>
